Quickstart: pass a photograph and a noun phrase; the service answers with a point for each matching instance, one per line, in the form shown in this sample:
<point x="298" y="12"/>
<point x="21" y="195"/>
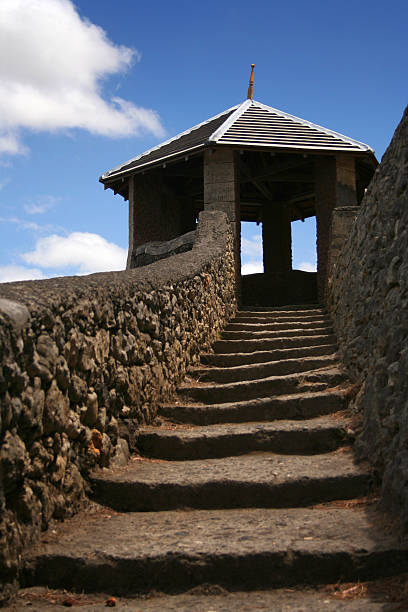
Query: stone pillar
<point x="346" y="194"/>
<point x="154" y="214"/>
<point x="276" y="239"/>
<point x="335" y="187"/>
<point x="131" y="198"/>
<point x="343" y="220"/>
<point x="221" y="191"/>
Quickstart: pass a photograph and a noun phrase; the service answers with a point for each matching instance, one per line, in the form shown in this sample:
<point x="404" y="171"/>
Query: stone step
<point x="214" y="598"/>
<point x="315" y="380"/>
<point x="256" y="480"/>
<point x="175" y="551"/>
<point x="297" y="309"/>
<point x="287" y="333"/>
<point x="305" y="405"/>
<point x="320" y="435"/>
<point x="226" y="360"/>
<point x="265" y="318"/>
<point x="277" y="326"/>
<point x="252" y="346"/>
<point x="262" y="370"/>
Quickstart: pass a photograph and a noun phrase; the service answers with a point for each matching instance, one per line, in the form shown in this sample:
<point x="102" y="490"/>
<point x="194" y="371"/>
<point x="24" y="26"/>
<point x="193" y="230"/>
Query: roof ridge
<point x="220" y="131"/>
<point x="166" y="142"/>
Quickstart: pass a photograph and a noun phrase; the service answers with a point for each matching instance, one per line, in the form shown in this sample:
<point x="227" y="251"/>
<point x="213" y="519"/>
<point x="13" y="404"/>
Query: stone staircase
<point x="242" y="485"/>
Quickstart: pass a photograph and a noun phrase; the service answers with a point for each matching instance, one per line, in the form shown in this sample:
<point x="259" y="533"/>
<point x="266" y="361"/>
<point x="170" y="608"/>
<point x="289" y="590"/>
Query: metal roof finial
<point x="251" y="84"/>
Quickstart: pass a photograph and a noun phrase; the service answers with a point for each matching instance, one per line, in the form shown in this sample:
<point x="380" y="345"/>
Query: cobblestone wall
<point x="368" y="300"/>
<point x="84" y="360"/>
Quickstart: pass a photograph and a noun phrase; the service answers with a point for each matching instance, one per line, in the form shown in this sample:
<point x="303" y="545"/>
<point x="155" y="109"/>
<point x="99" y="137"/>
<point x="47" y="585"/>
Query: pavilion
<point x="257" y="164"/>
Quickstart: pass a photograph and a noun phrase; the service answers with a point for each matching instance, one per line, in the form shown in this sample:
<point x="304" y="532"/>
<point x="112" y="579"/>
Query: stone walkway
<point x="247" y="484"/>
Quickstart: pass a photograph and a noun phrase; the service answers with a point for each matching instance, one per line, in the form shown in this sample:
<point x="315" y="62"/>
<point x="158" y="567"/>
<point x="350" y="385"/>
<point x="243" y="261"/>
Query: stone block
<point x="219" y="172"/>
<point x="219" y="192"/>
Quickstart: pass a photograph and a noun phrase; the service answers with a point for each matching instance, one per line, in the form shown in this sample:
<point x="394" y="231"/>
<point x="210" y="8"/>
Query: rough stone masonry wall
<point x="368" y="300"/>
<point x="84" y="360"/>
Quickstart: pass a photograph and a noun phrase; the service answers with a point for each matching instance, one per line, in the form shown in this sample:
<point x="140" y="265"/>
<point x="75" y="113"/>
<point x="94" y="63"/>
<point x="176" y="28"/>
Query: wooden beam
<point x="277" y="168"/>
<point x="187" y="171"/>
<point x="301" y="197"/>
<point x="258" y="184"/>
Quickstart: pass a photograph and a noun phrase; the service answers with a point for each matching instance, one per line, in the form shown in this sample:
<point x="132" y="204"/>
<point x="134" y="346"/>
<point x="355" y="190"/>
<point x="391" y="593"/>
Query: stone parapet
<point x="84" y="361"/>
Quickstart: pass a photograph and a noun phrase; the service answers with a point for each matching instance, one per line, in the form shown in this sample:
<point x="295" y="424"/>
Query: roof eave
<point x="105" y="180"/>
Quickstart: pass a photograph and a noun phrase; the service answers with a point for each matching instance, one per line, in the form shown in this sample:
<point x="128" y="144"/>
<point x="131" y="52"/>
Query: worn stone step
<point x="257" y="480"/>
<point x="277" y="326"/>
<point x="262" y="370"/>
<point x="296" y="406"/>
<point x="213" y="393"/>
<point x="287" y="333"/>
<point x="174" y="551"/>
<point x="315" y="436"/>
<point x="226" y="360"/>
<point x="256" y="345"/>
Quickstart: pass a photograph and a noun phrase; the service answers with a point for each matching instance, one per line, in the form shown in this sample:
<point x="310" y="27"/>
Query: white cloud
<point x="252" y="267"/>
<point x="9" y="141"/>
<point x="84" y="251"/>
<point x="31" y="225"/>
<point x="252" y="246"/>
<point x="52" y="63"/>
<point x="307" y="266"/>
<point x="19" y="273"/>
<point x="40" y="206"/>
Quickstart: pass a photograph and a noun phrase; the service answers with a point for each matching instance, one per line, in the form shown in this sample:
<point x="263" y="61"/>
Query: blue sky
<point x="86" y="85"/>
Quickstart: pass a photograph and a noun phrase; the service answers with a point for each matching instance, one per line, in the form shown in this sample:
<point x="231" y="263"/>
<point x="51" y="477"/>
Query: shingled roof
<point x="250" y="124"/>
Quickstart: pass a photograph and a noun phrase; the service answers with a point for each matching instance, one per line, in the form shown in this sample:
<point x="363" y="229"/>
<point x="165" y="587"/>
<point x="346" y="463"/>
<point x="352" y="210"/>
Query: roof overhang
<point x="250" y="126"/>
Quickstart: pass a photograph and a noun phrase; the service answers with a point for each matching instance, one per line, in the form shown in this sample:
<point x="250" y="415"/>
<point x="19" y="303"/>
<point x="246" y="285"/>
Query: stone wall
<point x="368" y="300"/>
<point x="84" y="360"/>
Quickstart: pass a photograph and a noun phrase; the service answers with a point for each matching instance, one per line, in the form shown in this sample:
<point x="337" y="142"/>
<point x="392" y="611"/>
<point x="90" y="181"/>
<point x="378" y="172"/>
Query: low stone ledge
<point x="84" y="360"/>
